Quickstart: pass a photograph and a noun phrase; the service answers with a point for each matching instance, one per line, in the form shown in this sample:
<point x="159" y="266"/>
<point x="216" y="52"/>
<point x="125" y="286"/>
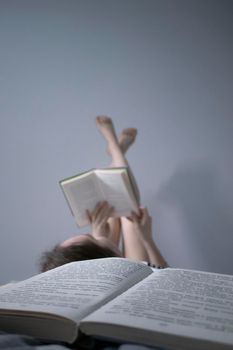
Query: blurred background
<point x="162" y="66"/>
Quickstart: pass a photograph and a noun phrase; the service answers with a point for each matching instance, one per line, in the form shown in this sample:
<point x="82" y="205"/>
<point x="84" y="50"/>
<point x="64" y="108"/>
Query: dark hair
<point x="83" y="251"/>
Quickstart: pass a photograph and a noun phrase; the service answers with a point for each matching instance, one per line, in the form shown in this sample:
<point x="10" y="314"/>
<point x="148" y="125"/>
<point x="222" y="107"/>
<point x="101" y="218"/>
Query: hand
<point x="142" y="223"/>
<point x="99" y="219"/>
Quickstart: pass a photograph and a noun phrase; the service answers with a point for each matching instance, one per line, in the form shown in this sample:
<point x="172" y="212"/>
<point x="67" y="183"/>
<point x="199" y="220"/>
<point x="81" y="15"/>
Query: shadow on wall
<point x="194" y="194"/>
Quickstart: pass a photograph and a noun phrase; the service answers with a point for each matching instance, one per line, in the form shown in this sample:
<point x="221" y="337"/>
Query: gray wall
<point x="162" y="66"/>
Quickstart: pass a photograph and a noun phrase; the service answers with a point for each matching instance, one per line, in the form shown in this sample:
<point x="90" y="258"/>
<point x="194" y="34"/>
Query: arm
<point x="138" y="239"/>
<point x="133" y="247"/>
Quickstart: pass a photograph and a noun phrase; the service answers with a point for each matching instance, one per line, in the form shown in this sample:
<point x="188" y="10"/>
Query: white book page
<point x="75" y="289"/>
<point x="82" y="193"/>
<point x="179" y="302"/>
<point x="117" y="191"/>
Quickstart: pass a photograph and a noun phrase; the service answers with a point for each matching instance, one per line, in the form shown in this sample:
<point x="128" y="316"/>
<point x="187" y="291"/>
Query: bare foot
<point x="106" y="127"/>
<point x="127" y="138"/>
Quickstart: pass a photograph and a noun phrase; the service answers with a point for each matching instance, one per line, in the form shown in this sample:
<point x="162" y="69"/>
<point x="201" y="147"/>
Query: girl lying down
<point x="130" y="237"/>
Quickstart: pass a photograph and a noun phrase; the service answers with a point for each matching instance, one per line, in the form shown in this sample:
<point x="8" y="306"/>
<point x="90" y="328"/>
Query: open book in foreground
<point x="85" y="190"/>
<point x="122" y="300"/>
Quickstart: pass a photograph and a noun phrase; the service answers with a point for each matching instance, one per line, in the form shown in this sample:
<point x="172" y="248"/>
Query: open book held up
<point x="85" y="190"/>
<point x="122" y="300"/>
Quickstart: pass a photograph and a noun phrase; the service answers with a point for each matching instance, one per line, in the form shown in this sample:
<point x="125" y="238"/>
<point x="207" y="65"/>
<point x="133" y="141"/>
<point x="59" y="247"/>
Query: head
<point x="77" y="248"/>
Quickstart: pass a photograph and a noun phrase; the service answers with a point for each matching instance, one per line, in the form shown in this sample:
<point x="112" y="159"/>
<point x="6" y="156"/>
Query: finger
<point x="89" y="216"/>
<point x="106" y="213"/>
<point x="93" y="212"/>
<point x="97" y="210"/>
<point x="135" y="217"/>
<point x="138" y="212"/>
<point x="110" y="211"/>
<point x="140" y="216"/>
<point x="146" y="216"/>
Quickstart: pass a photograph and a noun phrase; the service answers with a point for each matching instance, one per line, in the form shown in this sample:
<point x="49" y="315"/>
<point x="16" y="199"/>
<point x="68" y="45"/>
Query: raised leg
<point x="106" y="127"/>
<point x="132" y="245"/>
<point x="116" y="149"/>
<point x="125" y="140"/>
